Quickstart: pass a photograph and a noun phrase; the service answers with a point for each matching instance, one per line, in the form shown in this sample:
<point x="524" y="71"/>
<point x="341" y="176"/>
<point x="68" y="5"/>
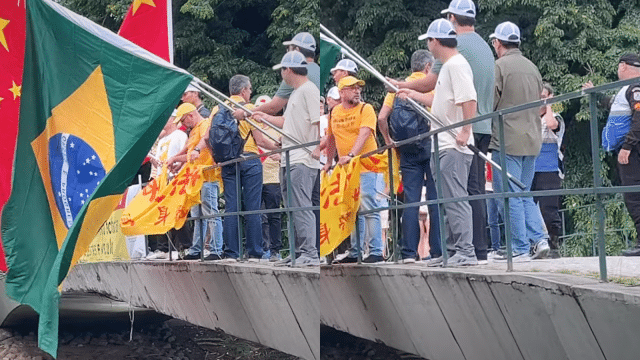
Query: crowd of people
<point x="457" y="79"/>
<point x="263" y="184"/>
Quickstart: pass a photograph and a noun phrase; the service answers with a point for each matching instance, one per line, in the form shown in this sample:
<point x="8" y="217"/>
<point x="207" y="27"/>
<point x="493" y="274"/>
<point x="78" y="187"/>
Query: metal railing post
<point x="240" y="218"/>
<point x="597" y="183"/>
<point x="290" y="229"/>
<point x="392" y="198"/>
<point x="443" y="232"/>
<point x="505" y="189"/>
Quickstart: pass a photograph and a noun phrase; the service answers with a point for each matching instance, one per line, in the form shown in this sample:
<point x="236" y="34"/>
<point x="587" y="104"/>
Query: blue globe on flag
<point x="76" y="170"/>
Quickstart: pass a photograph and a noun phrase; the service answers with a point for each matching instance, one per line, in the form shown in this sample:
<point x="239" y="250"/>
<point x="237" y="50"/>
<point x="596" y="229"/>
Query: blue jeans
<point x="526" y="220"/>
<point x="206" y="229"/>
<point x="494" y="214"/>
<point x="251" y="196"/>
<point x="369" y="226"/>
<point x="415" y="175"/>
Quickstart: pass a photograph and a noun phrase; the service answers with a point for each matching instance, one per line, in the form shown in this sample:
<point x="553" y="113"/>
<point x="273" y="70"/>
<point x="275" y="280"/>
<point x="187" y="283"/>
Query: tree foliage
<point x="571" y="42"/>
<point x="216" y="39"/>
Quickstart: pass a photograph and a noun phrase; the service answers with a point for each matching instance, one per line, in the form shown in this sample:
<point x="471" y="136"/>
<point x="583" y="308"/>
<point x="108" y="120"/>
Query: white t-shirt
<point x="454" y="87"/>
<point x="302" y="122"/>
<point x="324" y="124"/>
<point x="168" y="146"/>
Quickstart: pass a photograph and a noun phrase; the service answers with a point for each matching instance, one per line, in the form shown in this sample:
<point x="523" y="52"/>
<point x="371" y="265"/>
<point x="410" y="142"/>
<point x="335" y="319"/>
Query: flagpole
<point x="200" y="84"/>
<point x="225" y="105"/>
<point x="362" y="62"/>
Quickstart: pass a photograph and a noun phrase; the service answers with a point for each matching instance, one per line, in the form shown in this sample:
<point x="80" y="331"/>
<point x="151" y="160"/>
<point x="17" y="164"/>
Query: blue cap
<point x="461" y="7"/>
<point x="303" y="40"/>
<point x="292" y="59"/>
<point x="507" y="31"/>
<point x="439" y="29"/>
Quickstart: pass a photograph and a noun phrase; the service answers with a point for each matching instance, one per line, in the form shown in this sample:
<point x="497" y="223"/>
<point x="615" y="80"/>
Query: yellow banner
<point x="340" y="197"/>
<point x="162" y="206"/>
<point x="109" y="244"/>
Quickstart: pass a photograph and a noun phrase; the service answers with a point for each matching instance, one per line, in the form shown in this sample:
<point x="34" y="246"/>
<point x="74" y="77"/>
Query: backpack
<point x="224" y="136"/>
<point x="404" y="123"/>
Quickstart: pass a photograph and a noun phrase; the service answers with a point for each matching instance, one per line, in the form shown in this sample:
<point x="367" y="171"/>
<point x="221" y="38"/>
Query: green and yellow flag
<point x="91" y="108"/>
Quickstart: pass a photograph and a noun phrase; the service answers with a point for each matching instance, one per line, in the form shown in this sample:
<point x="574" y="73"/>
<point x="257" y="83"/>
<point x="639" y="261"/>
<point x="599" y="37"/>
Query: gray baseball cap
<point x="507" y="31"/>
<point x="461" y="7"/>
<point x="303" y="40"/>
<point x="439" y="29"/>
<point x="292" y="59"/>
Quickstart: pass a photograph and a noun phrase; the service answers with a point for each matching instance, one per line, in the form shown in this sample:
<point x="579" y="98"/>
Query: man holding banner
<point x="351" y="132"/>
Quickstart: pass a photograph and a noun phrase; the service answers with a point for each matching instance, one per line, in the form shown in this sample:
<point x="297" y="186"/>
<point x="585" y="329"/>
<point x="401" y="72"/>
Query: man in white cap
<point x="305" y="44"/>
<point x="301" y="122"/>
<point x="453" y="102"/>
<point x="344" y="67"/>
<point x="462" y="14"/>
<point x="518" y="82"/>
<point x="192" y="96"/>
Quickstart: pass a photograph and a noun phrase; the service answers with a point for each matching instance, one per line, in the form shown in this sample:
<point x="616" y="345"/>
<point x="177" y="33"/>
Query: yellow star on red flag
<point x="3" y="40"/>
<point x="15" y="90"/>
<point x="137" y="3"/>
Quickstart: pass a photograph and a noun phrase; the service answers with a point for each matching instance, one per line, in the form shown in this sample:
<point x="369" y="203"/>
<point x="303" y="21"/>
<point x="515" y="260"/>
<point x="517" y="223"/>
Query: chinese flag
<point x="12" y="36"/>
<point x="149" y="24"/>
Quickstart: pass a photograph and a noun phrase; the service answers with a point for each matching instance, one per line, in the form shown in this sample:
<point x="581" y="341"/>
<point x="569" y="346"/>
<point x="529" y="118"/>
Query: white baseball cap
<point x="303" y="40"/>
<point x="439" y="29"/>
<point x="334" y="93"/>
<point x="347" y="65"/>
<point x="507" y="31"/>
<point x="292" y="59"/>
<point x="461" y="7"/>
<point x="191" y="88"/>
<point x="262" y="99"/>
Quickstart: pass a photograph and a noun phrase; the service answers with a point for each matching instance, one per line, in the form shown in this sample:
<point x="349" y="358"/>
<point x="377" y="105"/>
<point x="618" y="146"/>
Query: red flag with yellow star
<point x="12" y="36"/>
<point x="149" y="25"/>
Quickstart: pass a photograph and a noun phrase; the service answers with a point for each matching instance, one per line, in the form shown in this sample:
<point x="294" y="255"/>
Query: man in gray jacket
<point x="518" y="82"/>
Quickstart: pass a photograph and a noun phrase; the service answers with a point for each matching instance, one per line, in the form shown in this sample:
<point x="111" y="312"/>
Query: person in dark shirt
<point x="192" y="96"/>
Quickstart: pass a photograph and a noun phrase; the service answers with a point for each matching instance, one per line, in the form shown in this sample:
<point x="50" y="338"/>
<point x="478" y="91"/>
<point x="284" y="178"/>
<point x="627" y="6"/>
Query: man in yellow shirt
<point x="197" y="153"/>
<point x="351" y="132"/>
<point x="416" y="173"/>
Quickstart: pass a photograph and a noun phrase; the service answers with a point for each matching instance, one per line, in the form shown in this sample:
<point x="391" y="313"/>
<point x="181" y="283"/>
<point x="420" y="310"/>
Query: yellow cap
<point x="183" y="109"/>
<point x="349" y="81"/>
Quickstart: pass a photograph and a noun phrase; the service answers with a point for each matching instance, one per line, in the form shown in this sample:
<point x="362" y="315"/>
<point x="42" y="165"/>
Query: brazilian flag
<point x="92" y="106"/>
<point x="329" y="52"/>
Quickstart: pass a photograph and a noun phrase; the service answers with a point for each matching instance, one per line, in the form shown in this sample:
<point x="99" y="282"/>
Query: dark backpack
<point x="404" y="123"/>
<point x="224" y="136"/>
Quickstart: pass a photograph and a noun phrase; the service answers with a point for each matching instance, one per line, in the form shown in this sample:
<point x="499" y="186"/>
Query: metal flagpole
<point x="419" y="108"/>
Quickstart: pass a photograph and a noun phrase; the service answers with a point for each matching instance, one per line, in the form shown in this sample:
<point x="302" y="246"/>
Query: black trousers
<point x="549" y="205"/>
<point x="630" y="175"/>
<point x="476" y="186"/>
<point x="315" y="201"/>
<point x="271" y="223"/>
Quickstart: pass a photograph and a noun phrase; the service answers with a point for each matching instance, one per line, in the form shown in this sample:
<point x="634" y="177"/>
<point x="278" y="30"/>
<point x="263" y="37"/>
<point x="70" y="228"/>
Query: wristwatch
<point x="197" y="149"/>
<point x="351" y="155"/>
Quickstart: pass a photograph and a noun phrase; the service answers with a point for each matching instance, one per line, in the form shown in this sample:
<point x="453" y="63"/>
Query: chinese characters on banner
<point x="162" y="206"/>
<point x="340" y="197"/>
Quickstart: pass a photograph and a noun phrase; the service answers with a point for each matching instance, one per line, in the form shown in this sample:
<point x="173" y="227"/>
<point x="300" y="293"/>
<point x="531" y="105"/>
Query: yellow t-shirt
<point x="205" y="157"/>
<point x="270" y="167"/>
<point x="388" y="100"/>
<point x="244" y="128"/>
<point x="345" y="126"/>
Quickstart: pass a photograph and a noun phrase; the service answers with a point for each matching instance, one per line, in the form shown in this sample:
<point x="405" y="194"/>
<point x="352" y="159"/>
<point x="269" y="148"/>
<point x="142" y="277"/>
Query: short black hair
<point x="449" y="42"/>
<point x="509" y="44"/>
<point x="464" y="20"/>
<point x="299" y="71"/>
<point x="306" y="52"/>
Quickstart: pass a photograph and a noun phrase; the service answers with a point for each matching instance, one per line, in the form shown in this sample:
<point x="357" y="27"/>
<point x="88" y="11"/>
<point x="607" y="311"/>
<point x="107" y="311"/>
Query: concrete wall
<point x="482" y="314"/>
<point x="272" y="306"/>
